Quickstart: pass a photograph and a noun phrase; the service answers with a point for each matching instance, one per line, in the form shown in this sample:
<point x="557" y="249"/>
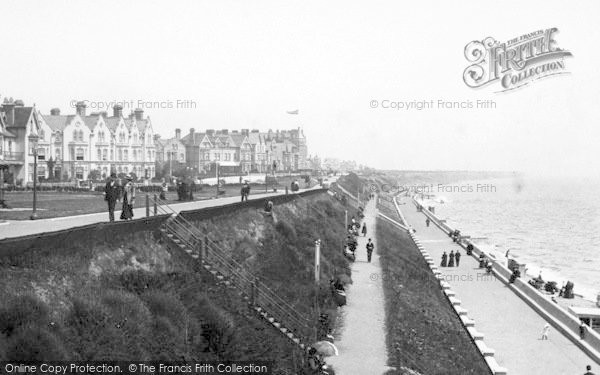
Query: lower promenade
<point x="510" y="326"/>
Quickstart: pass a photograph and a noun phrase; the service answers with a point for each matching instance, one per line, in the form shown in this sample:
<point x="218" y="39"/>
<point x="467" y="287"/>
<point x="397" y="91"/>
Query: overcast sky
<point x="245" y="63"/>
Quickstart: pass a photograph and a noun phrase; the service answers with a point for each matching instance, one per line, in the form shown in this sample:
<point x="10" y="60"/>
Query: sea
<point x="550" y="224"/>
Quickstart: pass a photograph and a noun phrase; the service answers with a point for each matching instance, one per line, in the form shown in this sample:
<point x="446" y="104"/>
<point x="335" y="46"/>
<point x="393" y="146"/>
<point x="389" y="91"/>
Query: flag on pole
<point x="294" y="112"/>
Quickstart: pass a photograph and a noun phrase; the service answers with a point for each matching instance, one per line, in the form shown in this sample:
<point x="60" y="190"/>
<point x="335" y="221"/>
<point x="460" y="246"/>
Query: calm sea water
<point x="551" y="224"/>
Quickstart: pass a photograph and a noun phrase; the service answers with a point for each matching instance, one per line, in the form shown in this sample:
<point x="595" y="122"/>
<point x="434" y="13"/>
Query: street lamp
<point x="33" y="141"/>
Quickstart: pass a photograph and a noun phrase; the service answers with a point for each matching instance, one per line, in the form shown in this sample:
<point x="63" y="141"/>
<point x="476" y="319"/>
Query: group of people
<point x="354" y="230"/>
<point x="450" y="260"/>
<point x="185" y="189"/>
<point x="116" y="190"/>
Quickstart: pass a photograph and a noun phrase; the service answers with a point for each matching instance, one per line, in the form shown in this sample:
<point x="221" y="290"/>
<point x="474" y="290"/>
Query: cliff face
<point x="119" y="292"/>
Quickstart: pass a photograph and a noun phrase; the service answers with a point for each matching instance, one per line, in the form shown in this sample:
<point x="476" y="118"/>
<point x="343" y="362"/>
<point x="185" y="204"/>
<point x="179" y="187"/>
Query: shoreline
<point x="587" y="292"/>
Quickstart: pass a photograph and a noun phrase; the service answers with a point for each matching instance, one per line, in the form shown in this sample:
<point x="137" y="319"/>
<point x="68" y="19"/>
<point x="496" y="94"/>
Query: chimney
<point x="139" y="114"/>
<point x="255" y="131"/>
<point x="19" y="103"/>
<point x="55" y="112"/>
<point x="9" y="109"/>
<point x="210" y="132"/>
<point x="225" y="131"/>
<point x="104" y="114"/>
<point x="178" y="134"/>
<point x="81" y="108"/>
<point x="117" y="110"/>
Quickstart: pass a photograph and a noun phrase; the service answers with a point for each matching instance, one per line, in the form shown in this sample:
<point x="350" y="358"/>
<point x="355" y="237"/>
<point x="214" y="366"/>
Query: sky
<point x="243" y="64"/>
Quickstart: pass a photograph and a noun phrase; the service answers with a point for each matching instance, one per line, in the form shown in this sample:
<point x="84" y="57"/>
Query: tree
<point x="95" y="175"/>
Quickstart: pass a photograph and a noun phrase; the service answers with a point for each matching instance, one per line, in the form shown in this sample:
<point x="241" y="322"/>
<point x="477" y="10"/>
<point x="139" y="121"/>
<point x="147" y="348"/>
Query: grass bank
<point x="424" y="332"/>
<point x="128" y="296"/>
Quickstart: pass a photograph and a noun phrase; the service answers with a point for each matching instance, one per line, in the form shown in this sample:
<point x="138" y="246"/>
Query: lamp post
<point x="33" y="140"/>
<point x="217" y="174"/>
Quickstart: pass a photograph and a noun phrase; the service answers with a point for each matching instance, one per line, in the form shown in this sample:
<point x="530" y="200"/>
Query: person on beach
<point x="128" y="199"/>
<point x="427" y="221"/>
<point x="111" y="195"/>
<point x="444" y="260"/>
<point x="370" y="247"/>
<point x="545" y="331"/>
<point x="364" y="230"/>
<point x="457" y="257"/>
<point x="451" y="261"/>
<point x="588" y="370"/>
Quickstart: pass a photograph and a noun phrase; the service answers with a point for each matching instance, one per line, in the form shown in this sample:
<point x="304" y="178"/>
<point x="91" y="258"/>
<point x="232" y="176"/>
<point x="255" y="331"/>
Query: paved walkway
<point x="361" y="337"/>
<point x="16" y="228"/>
<point x="510" y="326"/>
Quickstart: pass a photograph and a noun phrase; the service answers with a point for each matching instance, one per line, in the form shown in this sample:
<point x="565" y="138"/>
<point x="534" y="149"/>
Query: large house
<point x="80" y="145"/>
<point x="17" y="123"/>
<point x="246" y="151"/>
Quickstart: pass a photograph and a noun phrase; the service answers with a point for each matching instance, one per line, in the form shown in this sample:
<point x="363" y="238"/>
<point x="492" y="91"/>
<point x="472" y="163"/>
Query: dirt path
<point x="361" y="335"/>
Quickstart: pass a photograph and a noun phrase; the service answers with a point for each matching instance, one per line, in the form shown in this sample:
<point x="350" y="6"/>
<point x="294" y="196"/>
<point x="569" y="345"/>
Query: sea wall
<point x="560" y="318"/>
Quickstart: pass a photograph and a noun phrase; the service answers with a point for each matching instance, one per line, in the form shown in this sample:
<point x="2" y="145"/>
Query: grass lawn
<point x="58" y="204"/>
<point x="424" y="332"/>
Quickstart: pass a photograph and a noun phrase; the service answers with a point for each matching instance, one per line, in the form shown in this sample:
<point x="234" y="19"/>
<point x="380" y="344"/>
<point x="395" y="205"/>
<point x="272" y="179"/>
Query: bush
<point x="31" y="343"/>
<point x="218" y="326"/>
<point x="286" y="230"/>
<point x="20" y="311"/>
<point x="163" y="305"/>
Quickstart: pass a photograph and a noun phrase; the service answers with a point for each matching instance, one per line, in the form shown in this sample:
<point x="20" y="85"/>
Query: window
<point x="120" y="155"/>
<point x="135" y="155"/>
<point x="149" y="154"/>
<point x="217" y="156"/>
<point x="79" y="153"/>
<point x="227" y="157"/>
<point x="112" y="155"/>
<point x="41" y="134"/>
<point x="135" y="138"/>
<point x="104" y="154"/>
<point x="41" y="153"/>
<point x="125" y="155"/>
<point x="75" y="134"/>
<point x="99" y="154"/>
<point x="79" y="173"/>
<point x="101" y="136"/>
<point x="122" y="137"/>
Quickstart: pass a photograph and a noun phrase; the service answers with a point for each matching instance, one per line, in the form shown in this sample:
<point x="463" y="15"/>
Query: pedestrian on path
<point x="588" y="369"/>
<point x="582" y="329"/>
<point x="128" y="199"/>
<point x="457" y="257"/>
<point x="444" y="260"/>
<point x="370" y="247"/>
<point x="364" y="230"/>
<point x="111" y="195"/>
<point x="427" y="221"/>
<point x="545" y="331"/>
<point x="451" y="261"/>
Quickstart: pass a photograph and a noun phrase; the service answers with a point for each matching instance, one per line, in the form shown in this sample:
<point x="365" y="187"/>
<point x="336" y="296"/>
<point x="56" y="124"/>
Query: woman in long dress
<point x="444" y="259"/>
<point x="451" y="261"/>
<point x="128" y="199"/>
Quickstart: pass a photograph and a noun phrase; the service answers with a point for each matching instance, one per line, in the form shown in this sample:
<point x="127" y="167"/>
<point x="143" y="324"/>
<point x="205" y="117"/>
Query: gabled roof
<point x="22" y="117"/>
<point x="91" y="121"/>
<point x="188" y="141"/>
<point x="58" y="123"/>
<point x="112" y="122"/>
<point x="238" y="139"/>
<point x="256" y="138"/>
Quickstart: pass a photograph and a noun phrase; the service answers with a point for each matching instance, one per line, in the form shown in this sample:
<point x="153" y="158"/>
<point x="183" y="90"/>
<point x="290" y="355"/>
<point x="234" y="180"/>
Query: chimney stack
<point x="139" y="114"/>
<point x="178" y="134"/>
<point x="117" y="110"/>
<point x="81" y="108"/>
<point x="225" y="131"/>
<point x="245" y="132"/>
<point x="55" y="112"/>
<point x="210" y="132"/>
<point x="9" y="109"/>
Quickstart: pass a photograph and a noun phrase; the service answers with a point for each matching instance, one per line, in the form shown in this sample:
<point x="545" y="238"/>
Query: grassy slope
<point x="424" y="333"/>
<point x="131" y="298"/>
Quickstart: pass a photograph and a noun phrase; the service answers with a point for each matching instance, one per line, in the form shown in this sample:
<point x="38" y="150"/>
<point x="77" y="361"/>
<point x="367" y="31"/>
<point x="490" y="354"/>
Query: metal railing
<point x="247" y="283"/>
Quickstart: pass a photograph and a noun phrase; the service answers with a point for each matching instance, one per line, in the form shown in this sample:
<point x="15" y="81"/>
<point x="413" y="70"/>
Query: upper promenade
<point x="511" y="327"/>
<point x="17" y="228"/>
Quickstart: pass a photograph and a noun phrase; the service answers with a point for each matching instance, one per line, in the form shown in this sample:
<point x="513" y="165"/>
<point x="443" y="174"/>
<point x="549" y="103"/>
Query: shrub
<point x="286" y="230"/>
<point x="163" y="305"/>
<point x="32" y="343"/>
<point x="218" y="326"/>
<point x="20" y="311"/>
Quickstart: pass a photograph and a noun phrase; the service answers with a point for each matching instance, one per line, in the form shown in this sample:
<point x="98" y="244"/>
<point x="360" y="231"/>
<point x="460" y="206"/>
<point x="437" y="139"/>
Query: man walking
<point x="427" y="221"/>
<point x="111" y="195"/>
<point x="457" y="258"/>
<point x="370" y="247"/>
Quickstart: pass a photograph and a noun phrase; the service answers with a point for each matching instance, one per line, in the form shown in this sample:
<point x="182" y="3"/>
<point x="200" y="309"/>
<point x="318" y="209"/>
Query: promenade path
<point x="361" y="335"/>
<point x="16" y="228"/>
<point x="510" y="326"/>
